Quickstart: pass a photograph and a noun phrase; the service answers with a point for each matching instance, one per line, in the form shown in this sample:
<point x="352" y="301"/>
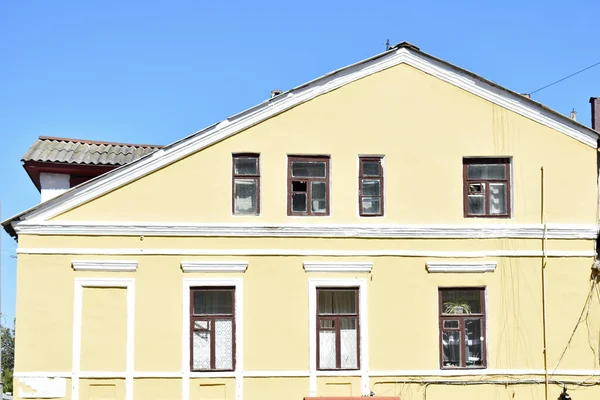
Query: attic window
<point x="246" y="184"/>
<point x="487" y="190"/>
<point x="308" y="185"/>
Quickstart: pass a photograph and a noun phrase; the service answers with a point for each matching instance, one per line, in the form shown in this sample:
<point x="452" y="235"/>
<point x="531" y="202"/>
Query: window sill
<point x="339" y="372"/>
<point x="212" y="374"/>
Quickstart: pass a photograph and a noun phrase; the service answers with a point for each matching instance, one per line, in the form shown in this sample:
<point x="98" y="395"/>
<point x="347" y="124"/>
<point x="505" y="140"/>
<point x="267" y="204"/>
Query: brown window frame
<point x="506" y="161"/>
<point x="337" y="329"/>
<point x="212" y="318"/>
<point x="461" y="328"/>
<point x="235" y="176"/>
<point x="378" y="177"/>
<point x="309" y="181"/>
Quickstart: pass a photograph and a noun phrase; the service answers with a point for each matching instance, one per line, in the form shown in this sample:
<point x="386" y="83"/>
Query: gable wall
<point x="422" y="125"/>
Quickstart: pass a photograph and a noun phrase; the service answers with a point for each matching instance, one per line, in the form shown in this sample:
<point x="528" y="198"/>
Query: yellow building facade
<point x="399" y="227"/>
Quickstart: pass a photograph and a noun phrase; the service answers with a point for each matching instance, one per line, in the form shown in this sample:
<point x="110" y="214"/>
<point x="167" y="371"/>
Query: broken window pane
<point x="451" y="349"/>
<point x="498" y="198"/>
<point x="299" y="202"/>
<point x="473" y="342"/>
<point x="246" y="196"/>
<point x="246" y="166"/>
<point x="201" y="350"/>
<point x="370" y="168"/>
<point x="486" y="171"/>
<point x="299" y="186"/>
<point x="371" y="205"/>
<point x="309" y="169"/>
<point x="476" y="205"/>
<point x="213" y="302"/>
<point x="223" y="344"/>
<point x="370" y="187"/>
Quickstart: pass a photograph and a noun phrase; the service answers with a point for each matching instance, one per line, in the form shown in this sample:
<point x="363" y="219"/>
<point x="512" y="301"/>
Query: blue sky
<point x="156" y="71"/>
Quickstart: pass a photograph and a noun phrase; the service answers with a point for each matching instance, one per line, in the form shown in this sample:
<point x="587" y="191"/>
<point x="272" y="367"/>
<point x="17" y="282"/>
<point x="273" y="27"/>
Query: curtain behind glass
<point x="337" y="301"/>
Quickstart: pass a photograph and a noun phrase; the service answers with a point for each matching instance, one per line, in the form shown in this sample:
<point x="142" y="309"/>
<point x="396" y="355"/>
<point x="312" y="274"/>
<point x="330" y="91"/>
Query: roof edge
<point x="402" y="53"/>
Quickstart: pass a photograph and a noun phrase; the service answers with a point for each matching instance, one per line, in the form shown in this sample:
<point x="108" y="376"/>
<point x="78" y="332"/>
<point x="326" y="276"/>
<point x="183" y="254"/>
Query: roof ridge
<point x="86" y="141"/>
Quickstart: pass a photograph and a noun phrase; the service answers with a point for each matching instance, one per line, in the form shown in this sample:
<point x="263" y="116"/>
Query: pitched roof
<point x="85" y="152"/>
<point x="403" y="53"/>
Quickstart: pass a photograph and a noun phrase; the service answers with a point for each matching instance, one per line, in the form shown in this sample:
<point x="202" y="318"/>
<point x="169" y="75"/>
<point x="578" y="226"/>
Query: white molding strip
<point x="77" y="374"/>
<point x="105" y="265"/>
<point x="338" y="267"/>
<point x="214" y="266"/>
<point x="363" y="372"/>
<point x="238" y="373"/>
<point x="329" y="82"/>
<point x="304" y="252"/>
<point x="303" y="374"/>
<point x="460" y="266"/>
<point x="374" y="231"/>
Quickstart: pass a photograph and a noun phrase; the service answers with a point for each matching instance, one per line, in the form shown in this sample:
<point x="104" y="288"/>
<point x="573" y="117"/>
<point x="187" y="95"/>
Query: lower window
<point x="212" y="326"/>
<point x="337" y="329"/>
<point x="462" y="327"/>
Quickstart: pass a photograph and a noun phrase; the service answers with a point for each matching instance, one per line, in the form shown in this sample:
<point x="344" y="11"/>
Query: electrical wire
<point x="579" y="322"/>
<point x="565" y="78"/>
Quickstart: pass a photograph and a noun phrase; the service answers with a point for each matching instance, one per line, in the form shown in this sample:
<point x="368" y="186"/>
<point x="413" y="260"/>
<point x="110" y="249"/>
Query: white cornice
<point x="105" y="265"/>
<point x="237" y="123"/>
<point x="214" y="266"/>
<point x="302" y="252"/>
<point x="381" y="231"/>
<point x="460" y="266"/>
<point x="338" y="267"/>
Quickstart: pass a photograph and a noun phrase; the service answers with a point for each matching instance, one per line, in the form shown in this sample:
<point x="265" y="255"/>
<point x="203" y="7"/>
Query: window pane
<point x="370" y="168"/>
<point x="461" y="301"/>
<point x="327" y="350"/>
<point x="246" y="196"/>
<point x="309" y="169"/>
<point x="486" y="171"/>
<point x="476" y="205"/>
<point x="246" y="166"/>
<point x="451" y="349"/>
<point x="327" y="324"/>
<point x="299" y="186"/>
<point x="473" y="342"/>
<point x="370" y="187"/>
<point x="319" y="199"/>
<point x="451" y="324"/>
<point x="348" y="343"/>
<point x="340" y="301"/>
<point x="201" y="324"/>
<point x="371" y="205"/>
<point x="299" y="202"/>
<point x="223" y="344"/>
<point x="213" y="302"/>
<point x="498" y="198"/>
<point x="201" y="350"/>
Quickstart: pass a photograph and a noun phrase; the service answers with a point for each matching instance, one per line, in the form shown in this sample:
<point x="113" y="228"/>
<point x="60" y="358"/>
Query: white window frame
<point x="237" y="373"/>
<point x="363" y="372"/>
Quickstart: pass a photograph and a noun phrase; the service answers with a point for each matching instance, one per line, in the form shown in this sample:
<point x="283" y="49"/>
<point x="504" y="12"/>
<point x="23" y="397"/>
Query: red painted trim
<point x="34" y="168"/>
